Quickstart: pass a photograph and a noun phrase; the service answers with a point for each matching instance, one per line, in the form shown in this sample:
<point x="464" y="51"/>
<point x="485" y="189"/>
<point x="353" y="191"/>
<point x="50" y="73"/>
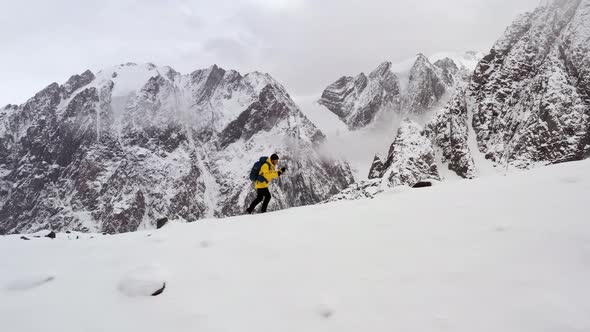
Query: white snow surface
<point x="498" y="253"/>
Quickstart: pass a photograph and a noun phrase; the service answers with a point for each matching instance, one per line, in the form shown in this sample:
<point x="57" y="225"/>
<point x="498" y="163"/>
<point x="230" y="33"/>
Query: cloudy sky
<point x="305" y="44"/>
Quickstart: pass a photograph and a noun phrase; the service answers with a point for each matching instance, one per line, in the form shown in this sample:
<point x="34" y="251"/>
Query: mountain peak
<point x="383" y="68"/>
<point x="75" y="82"/>
<point x="446" y="63"/>
<point x="420" y="57"/>
<point x="360" y="100"/>
<point x="426" y="85"/>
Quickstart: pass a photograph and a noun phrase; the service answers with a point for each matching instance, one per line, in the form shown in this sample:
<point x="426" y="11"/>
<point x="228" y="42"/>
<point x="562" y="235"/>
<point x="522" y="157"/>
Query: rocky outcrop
<point x="449" y="133"/>
<point x="411" y="157"/>
<point x="360" y="190"/>
<point x="411" y="160"/>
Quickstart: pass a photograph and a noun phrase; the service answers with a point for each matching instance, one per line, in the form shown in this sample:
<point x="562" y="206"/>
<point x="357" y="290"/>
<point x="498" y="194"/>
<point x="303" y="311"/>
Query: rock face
<point x="448" y="70"/>
<point x="427" y="85"/>
<point x="532" y="91"/>
<point x="376" y="167"/>
<point x="363" y="100"/>
<point x="449" y="133"/>
<point x="117" y="150"/>
<point x="411" y="157"/>
<point x="359" y="100"/>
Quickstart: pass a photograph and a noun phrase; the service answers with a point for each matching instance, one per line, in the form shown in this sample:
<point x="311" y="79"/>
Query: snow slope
<point x="504" y="253"/>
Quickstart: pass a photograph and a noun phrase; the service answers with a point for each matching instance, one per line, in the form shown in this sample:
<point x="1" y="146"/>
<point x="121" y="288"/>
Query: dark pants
<point x="263" y="194"/>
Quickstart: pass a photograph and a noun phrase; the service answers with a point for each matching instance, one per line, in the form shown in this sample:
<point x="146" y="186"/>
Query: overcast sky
<point x="304" y="44"/>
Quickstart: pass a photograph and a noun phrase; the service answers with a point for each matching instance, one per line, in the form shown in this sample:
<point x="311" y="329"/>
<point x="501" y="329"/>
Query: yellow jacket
<point x="269" y="172"/>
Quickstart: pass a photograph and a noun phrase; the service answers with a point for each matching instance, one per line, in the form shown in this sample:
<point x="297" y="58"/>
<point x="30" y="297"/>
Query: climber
<point x="262" y="173"/>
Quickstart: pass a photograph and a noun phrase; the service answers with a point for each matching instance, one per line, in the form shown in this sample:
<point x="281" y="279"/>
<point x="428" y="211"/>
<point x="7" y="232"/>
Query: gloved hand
<point x="283" y="169"/>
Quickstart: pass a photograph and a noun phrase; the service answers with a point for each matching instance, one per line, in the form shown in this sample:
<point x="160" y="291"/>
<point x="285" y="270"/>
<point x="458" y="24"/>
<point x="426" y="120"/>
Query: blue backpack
<point x="255" y="171"/>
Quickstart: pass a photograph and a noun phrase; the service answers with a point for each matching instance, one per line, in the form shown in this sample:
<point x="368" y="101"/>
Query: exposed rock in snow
<point x="376" y="167"/>
<point x="144" y="281"/>
<point x="422" y="184"/>
<point x="360" y="190"/>
<point x="161" y="222"/>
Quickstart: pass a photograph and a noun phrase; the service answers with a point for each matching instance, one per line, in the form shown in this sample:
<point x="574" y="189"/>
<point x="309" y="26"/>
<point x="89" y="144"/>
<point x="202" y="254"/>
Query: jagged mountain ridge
<point x="405" y="90"/>
<point x="115" y="151"/>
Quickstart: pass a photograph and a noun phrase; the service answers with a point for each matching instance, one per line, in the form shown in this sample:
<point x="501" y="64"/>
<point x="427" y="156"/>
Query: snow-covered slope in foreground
<point x="492" y="254"/>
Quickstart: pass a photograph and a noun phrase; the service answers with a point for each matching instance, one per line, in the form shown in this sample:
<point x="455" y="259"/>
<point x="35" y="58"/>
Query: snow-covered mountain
<point x="358" y="100"/>
<point x="526" y="104"/>
<point x="116" y="150"/>
<point x="492" y="254"/>
<point x="387" y="104"/>
<point x="412" y="87"/>
<point x="531" y="93"/>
